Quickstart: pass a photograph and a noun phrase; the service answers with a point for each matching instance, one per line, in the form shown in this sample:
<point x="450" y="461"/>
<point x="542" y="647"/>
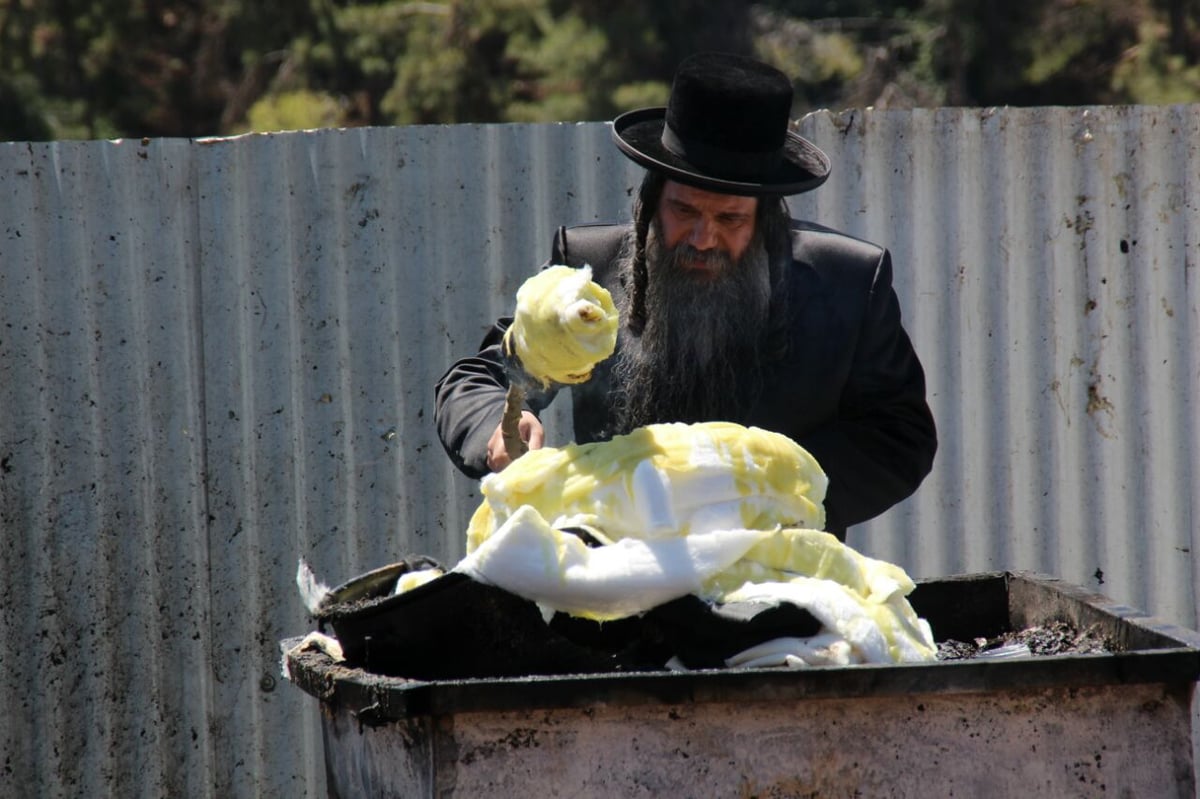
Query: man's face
<point x="707" y="222"/>
<point x="706" y="302"/>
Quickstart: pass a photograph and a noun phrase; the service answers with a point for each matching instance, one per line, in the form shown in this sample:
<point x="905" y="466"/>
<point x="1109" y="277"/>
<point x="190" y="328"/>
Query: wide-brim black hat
<point x="725" y="129"/>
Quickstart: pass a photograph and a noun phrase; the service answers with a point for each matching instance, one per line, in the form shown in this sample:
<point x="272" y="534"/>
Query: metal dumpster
<point x="1121" y="723"/>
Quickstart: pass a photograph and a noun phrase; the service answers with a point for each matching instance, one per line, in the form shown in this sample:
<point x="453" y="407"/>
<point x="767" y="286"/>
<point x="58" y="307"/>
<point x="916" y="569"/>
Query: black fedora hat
<point x="725" y="129"/>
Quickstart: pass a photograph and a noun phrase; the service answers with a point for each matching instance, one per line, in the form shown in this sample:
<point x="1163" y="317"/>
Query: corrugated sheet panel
<point x="217" y="357"/>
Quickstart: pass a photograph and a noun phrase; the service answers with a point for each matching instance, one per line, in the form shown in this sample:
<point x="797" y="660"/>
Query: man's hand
<point x="531" y="432"/>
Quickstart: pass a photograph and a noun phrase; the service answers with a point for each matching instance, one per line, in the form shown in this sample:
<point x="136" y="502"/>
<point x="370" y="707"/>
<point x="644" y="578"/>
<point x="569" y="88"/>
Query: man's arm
<point x="469" y="398"/>
<point x="881" y="445"/>
<point x="469" y="403"/>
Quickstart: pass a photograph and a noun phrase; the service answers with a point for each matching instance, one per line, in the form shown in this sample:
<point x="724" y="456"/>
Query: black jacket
<point x="850" y="389"/>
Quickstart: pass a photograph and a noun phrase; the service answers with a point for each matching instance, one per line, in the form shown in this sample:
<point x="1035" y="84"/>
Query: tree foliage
<point x="110" y="68"/>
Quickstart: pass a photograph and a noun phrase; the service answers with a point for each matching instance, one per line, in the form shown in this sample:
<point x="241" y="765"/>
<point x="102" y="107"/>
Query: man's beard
<point x="698" y="358"/>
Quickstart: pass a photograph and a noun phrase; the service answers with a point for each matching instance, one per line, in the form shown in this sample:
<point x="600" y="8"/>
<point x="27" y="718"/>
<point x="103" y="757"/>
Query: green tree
<point x="107" y="68"/>
<point x="507" y="60"/>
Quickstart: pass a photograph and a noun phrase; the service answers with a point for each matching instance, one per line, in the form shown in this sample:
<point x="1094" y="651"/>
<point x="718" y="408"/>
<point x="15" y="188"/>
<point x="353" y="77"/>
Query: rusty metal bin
<point x="1121" y="723"/>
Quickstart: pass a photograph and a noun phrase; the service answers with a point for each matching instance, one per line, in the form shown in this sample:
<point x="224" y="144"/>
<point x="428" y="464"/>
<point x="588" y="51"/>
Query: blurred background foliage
<point x="131" y="68"/>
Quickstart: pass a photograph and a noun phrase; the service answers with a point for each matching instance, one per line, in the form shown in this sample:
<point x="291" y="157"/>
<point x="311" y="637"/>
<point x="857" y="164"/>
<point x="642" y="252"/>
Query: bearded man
<point x="730" y="310"/>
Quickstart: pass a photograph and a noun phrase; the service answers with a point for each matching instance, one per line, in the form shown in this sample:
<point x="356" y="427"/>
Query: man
<point x="729" y="309"/>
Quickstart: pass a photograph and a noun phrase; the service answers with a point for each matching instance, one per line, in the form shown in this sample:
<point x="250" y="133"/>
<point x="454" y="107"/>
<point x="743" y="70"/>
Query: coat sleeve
<point x="469" y="401"/>
<point x="880" y="445"/>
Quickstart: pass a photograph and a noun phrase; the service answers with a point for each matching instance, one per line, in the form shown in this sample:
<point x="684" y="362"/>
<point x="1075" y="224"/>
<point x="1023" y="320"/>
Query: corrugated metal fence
<point x="217" y="357"/>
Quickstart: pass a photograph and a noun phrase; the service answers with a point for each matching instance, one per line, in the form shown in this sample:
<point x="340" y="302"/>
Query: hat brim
<point x="638" y="134"/>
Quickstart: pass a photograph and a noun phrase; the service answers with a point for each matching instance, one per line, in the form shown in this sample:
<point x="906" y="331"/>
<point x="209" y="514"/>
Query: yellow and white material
<point x="726" y="512"/>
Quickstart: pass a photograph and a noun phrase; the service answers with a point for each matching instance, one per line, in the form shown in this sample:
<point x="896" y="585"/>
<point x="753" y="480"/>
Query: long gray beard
<point x="698" y="357"/>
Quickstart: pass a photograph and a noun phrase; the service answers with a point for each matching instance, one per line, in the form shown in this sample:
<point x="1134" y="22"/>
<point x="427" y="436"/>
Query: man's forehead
<point x="708" y="200"/>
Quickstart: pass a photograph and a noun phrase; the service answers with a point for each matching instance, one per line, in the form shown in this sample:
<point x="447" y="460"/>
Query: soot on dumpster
<point x="1053" y="638"/>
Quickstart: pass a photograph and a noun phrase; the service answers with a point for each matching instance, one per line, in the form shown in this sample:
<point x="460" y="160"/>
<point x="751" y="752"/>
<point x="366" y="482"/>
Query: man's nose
<point x="703" y="235"/>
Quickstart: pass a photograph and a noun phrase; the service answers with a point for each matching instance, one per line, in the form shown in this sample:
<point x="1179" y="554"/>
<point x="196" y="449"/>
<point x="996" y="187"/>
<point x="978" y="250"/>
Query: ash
<point x="1055" y="638"/>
